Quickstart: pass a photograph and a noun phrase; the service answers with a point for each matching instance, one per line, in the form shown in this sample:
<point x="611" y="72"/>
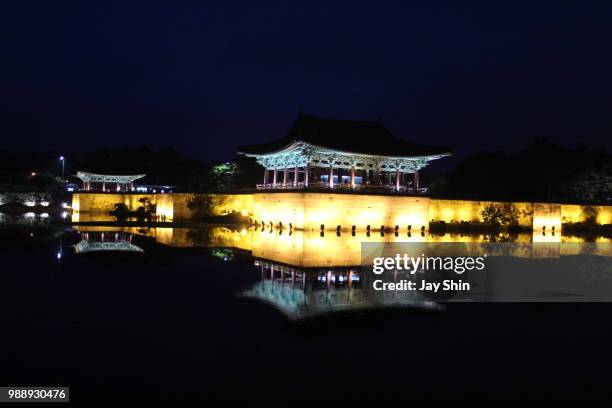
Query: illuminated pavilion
<point x="99" y="182"/>
<point x="341" y="154"/>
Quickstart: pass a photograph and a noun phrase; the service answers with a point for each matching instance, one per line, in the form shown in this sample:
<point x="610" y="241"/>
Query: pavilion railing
<point x="390" y="189"/>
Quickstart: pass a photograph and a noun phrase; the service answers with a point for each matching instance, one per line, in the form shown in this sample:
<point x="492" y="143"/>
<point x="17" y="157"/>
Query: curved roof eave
<point x="81" y="174"/>
<point x="291" y="147"/>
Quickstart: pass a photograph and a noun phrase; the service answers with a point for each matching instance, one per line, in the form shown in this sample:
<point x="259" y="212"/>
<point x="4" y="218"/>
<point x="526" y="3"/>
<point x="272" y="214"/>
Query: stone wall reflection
<point x="310" y="249"/>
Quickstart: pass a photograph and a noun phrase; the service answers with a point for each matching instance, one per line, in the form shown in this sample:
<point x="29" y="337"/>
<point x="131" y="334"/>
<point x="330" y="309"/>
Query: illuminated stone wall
<point x="570" y="213"/>
<point x="456" y="211"/>
<point x="102" y="203"/>
<point x="546" y="215"/>
<point x="222" y="204"/>
<point x="173" y="206"/>
<point x="309" y="211"/>
<point x="534" y="215"/>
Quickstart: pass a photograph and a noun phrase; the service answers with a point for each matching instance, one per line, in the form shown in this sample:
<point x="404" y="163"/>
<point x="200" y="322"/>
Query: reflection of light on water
<point x="310" y="249"/>
<point x="543" y="237"/>
<point x="98" y="239"/>
<point x="302" y="293"/>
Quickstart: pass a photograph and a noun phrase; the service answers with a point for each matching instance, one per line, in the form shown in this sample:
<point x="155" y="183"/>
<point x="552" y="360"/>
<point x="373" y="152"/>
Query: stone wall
<point x="546" y="215"/>
<point x="309" y="211"/>
<point x="102" y="203"/>
<point x="456" y="211"/>
<point x="222" y="204"/>
<point x="600" y="214"/>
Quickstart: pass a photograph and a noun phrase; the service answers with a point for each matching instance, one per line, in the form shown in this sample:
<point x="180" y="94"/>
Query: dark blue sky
<point x="204" y="77"/>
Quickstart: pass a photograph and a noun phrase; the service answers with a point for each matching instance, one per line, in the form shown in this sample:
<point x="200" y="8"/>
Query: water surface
<point x="154" y="314"/>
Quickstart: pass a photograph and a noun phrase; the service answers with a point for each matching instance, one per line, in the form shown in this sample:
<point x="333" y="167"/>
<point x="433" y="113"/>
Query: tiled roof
<point x="355" y="136"/>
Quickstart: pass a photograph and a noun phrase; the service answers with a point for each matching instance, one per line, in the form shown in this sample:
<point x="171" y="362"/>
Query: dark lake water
<point x="141" y="320"/>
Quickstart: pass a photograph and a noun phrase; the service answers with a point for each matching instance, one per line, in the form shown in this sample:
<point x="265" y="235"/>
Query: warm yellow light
<point x="308" y="211"/>
<point x="448" y="214"/>
<point x="540" y="237"/>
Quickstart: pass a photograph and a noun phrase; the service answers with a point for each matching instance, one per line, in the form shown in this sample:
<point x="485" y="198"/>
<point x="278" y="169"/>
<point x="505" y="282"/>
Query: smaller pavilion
<point x="106" y="182"/>
<point x="342" y="154"/>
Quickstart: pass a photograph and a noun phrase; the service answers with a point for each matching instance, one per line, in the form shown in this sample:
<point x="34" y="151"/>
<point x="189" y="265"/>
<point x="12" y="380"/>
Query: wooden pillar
<point x="286" y="176"/>
<point x="274" y="177"/>
<point x="416" y="181"/>
<point x="331" y="174"/>
<point x="353" y="176"/>
<point x="397" y="180"/>
<point x="296" y="177"/>
<point x="265" y="176"/>
<point x="131" y="186"/>
<point x="307" y="175"/>
<point x="103" y="186"/>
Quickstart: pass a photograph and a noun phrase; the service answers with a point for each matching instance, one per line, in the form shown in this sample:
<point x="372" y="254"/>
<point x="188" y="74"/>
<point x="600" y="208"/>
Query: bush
<point x="201" y="206"/>
<point x="500" y="214"/>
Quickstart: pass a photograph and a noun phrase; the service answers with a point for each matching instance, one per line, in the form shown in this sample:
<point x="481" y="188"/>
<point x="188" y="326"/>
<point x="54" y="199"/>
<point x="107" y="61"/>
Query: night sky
<point x="205" y="77"/>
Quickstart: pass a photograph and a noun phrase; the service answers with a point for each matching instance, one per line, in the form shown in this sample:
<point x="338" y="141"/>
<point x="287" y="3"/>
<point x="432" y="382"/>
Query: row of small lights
<point x="43" y="215"/>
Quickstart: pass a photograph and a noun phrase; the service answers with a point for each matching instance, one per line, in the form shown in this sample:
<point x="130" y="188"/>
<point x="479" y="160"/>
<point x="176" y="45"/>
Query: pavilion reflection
<point x="302" y="293"/>
<point x="103" y="241"/>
